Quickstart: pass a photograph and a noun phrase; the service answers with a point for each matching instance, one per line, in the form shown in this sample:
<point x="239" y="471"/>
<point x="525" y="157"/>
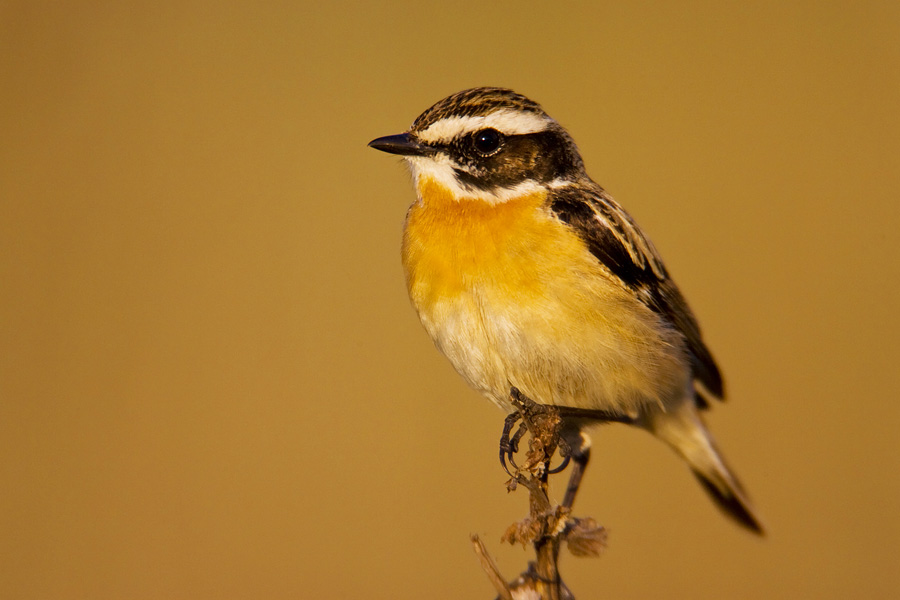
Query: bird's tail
<point x="685" y="432"/>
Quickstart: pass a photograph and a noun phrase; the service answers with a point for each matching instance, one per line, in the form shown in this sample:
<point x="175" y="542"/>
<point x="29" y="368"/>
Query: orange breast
<point x="513" y="296"/>
<point x="452" y="246"/>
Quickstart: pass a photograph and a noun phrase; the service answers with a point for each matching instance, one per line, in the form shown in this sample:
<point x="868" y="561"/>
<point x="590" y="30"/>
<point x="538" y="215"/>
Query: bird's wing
<point x="616" y="241"/>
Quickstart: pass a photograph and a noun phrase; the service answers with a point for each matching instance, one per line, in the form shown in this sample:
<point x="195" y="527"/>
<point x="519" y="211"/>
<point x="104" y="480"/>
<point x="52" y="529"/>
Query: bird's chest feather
<point x="456" y="248"/>
<point x="487" y="279"/>
<point x="512" y="296"/>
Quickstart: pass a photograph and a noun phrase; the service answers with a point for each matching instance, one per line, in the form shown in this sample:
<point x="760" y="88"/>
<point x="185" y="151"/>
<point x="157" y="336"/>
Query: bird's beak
<point x="402" y="144"/>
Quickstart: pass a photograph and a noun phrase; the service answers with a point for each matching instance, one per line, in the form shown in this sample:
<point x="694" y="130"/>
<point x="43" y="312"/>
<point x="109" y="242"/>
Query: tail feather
<point x="734" y="505"/>
<point x="684" y="431"/>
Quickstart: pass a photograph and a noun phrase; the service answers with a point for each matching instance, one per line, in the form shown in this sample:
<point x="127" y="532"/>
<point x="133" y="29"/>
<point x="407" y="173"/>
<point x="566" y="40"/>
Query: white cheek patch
<point x="506" y="121"/>
<point x="440" y="169"/>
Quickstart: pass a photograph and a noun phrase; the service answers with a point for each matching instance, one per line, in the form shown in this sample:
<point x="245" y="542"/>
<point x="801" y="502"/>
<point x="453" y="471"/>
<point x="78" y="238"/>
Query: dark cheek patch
<point x="540" y="157"/>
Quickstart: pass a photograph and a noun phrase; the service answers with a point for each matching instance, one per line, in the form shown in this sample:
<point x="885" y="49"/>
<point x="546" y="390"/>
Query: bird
<point x="529" y="277"/>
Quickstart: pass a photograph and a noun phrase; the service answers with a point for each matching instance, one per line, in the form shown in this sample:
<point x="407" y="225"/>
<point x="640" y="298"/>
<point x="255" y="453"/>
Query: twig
<point x="547" y="525"/>
<point x="490" y="568"/>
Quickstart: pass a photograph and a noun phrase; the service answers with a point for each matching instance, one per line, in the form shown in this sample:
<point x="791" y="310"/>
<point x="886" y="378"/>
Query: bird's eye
<point x="487" y="141"/>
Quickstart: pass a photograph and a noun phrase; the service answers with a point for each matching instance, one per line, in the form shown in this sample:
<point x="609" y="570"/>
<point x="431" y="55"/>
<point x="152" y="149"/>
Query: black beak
<point x="402" y="144"/>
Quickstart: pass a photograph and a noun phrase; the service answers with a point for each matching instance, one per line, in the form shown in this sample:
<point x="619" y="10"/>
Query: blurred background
<point x="212" y="384"/>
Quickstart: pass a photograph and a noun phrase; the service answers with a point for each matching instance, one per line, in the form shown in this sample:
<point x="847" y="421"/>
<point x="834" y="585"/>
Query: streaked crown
<point x="488" y="142"/>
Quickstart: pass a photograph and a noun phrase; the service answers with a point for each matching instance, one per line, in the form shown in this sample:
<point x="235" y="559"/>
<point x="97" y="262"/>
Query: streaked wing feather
<point x="616" y="241"/>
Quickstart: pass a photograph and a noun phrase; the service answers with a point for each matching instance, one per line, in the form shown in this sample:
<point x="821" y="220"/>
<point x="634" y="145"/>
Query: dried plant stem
<point x="490" y="568"/>
<point x="547" y="525"/>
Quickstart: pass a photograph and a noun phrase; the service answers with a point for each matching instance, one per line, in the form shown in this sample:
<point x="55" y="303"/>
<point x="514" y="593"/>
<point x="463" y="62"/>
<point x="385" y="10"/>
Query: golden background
<point x="212" y="384"/>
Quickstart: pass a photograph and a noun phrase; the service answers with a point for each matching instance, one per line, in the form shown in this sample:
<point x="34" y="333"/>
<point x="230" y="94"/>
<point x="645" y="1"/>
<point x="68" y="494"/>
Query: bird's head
<point x="489" y="143"/>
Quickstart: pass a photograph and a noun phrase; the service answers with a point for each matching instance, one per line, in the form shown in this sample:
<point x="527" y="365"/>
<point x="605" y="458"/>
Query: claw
<point x="573" y="446"/>
<point x="508" y="447"/>
<point x="565" y="451"/>
<point x="561" y="467"/>
<point x="514" y="444"/>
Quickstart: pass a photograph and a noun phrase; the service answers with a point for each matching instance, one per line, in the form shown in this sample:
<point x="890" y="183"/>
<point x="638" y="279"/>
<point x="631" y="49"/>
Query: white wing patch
<point x="506" y="121"/>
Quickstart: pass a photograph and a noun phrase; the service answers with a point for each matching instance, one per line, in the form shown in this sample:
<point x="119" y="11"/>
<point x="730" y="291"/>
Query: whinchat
<point x="528" y="275"/>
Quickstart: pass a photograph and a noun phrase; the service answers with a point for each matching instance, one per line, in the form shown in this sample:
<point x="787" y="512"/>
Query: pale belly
<point x="535" y="310"/>
<point x="589" y="351"/>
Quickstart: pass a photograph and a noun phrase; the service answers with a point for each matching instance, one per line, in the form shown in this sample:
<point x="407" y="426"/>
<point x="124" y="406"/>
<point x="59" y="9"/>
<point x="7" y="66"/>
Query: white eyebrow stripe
<point x="506" y="121"/>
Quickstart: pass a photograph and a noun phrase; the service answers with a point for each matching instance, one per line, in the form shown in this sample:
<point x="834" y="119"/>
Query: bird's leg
<point x="579" y="451"/>
<point x="590" y="415"/>
<point x="574" y="446"/>
<point x="514" y="444"/>
<point x="505" y="444"/>
<point x="509" y="446"/>
<point x="543" y="423"/>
